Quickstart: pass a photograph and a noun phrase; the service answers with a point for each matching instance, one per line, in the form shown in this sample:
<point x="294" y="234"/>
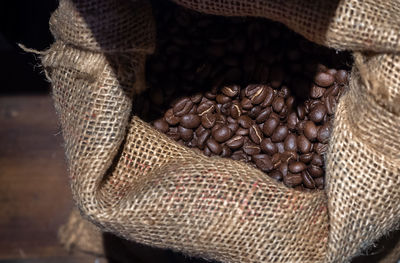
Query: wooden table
<point x="35" y="197"/>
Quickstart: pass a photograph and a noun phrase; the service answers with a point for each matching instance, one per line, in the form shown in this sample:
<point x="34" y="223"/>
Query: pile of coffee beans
<point x="244" y="88"/>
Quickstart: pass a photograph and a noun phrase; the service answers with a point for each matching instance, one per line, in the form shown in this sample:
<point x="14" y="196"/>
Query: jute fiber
<point x="129" y="179"/>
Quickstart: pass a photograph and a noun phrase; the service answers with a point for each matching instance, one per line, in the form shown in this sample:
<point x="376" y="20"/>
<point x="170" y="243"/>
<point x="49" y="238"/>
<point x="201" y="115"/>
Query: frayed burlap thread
<point x="129" y="179"/>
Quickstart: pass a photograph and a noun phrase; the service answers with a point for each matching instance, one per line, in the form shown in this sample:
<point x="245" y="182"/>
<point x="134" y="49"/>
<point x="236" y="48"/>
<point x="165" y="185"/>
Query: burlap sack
<point x="129" y="179"/>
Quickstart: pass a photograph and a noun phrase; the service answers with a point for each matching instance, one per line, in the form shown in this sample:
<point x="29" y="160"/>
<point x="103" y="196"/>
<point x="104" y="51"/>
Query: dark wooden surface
<point x="35" y="198"/>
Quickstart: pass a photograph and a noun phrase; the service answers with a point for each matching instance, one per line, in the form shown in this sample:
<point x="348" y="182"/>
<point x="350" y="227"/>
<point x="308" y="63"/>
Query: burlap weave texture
<point x="129" y="179"/>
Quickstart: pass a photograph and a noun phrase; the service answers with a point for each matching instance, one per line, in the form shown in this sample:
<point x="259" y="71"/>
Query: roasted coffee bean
<point x="214" y="146"/>
<point x="283" y="168"/>
<point x="324" y="133"/>
<point x="233" y="126"/>
<point x="182" y="106"/>
<point x="291" y="142"/>
<point x="246" y="104"/>
<point x="290" y="102"/>
<point x="263" y="162"/>
<point x="279" y="134"/>
<point x="269" y="98"/>
<point x="319" y="182"/>
<point x="292" y="179"/>
<point x="297" y="167"/>
<point x="190" y="121"/>
<point x="341" y="76"/>
<point x="186" y="134"/>
<point x="202" y="138"/>
<point x="324" y="79"/>
<point x="315" y="171"/>
<point x="239" y="156"/>
<point x="289" y="156"/>
<point x="308" y="181"/>
<point x="236" y="110"/>
<point x="303" y="144"/>
<point x="318" y="113"/>
<point x="196" y="98"/>
<point x="208" y="120"/>
<point x="226" y="152"/>
<point x="330" y="103"/>
<point x="317" y="92"/>
<point x="170" y="118"/>
<point x="270" y="125"/>
<point x="275" y="174"/>
<point x="199" y="130"/>
<point x="310" y="130"/>
<point x="205" y="108"/>
<point x="317" y="160"/>
<point x="207" y="151"/>
<point x="255" y="134"/>
<point x="320" y="148"/>
<point x="173" y="133"/>
<point x="280" y="146"/>
<point x="245" y="122"/>
<point x="221" y="99"/>
<point x="254" y="112"/>
<point x="230" y="91"/>
<point x="251" y="148"/>
<point x="268" y="146"/>
<point x="242" y="131"/>
<point x="226" y="109"/>
<point x="161" y="125"/>
<point x="235" y="142"/>
<point x="306" y="158"/>
<point x="301" y="112"/>
<point x="222" y="134"/>
<point x="292" y="121"/>
<point x="278" y="104"/>
<point x="263" y="115"/>
<point x="256" y="93"/>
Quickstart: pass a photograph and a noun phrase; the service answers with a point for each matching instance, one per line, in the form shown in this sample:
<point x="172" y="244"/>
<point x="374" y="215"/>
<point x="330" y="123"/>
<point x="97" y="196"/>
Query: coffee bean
<point x="263" y="162"/>
<point x="280" y="146"/>
<point x="317" y="160"/>
<point x="292" y="179"/>
<point x="230" y="91"/>
<point x="263" y="115"/>
<point x="255" y="134"/>
<point x="244" y="121"/>
<point x="306" y="158"/>
<point x="205" y="107"/>
<point x="317" y="92"/>
<point x="254" y="112"/>
<point x="269" y="126"/>
<point x="341" y="76"/>
<point x="269" y="98"/>
<point x="251" y="148"/>
<point x="182" y="107"/>
<point x="292" y="121"/>
<point x="214" y="146"/>
<point x="303" y="144"/>
<point x="190" y="121"/>
<point x="310" y="130"/>
<point x="236" y="110"/>
<point x="226" y="152"/>
<point x="275" y="174"/>
<point x="318" y="113"/>
<point x="256" y="93"/>
<point x="324" y="79"/>
<point x="235" y="142"/>
<point x="319" y="182"/>
<point x="308" y="181"/>
<point x="315" y="171"/>
<point x="268" y="146"/>
<point x="289" y="156"/>
<point x="186" y="134"/>
<point x="222" y="99"/>
<point x="320" y="148"/>
<point x="301" y="112"/>
<point x="297" y="167"/>
<point x="222" y="134"/>
<point x="161" y="125"/>
<point x="279" y="134"/>
<point x="199" y="130"/>
<point x="246" y="104"/>
<point x="330" y="103"/>
<point x="207" y="151"/>
<point x="202" y="138"/>
<point x="290" y="102"/>
<point x="170" y="118"/>
<point x="233" y="126"/>
<point x="283" y="169"/>
<point x="173" y="133"/>
<point x="196" y="98"/>
<point x="324" y="133"/>
<point x="242" y="131"/>
<point x="208" y="120"/>
<point x="291" y="142"/>
<point x="278" y="104"/>
<point x="239" y="156"/>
